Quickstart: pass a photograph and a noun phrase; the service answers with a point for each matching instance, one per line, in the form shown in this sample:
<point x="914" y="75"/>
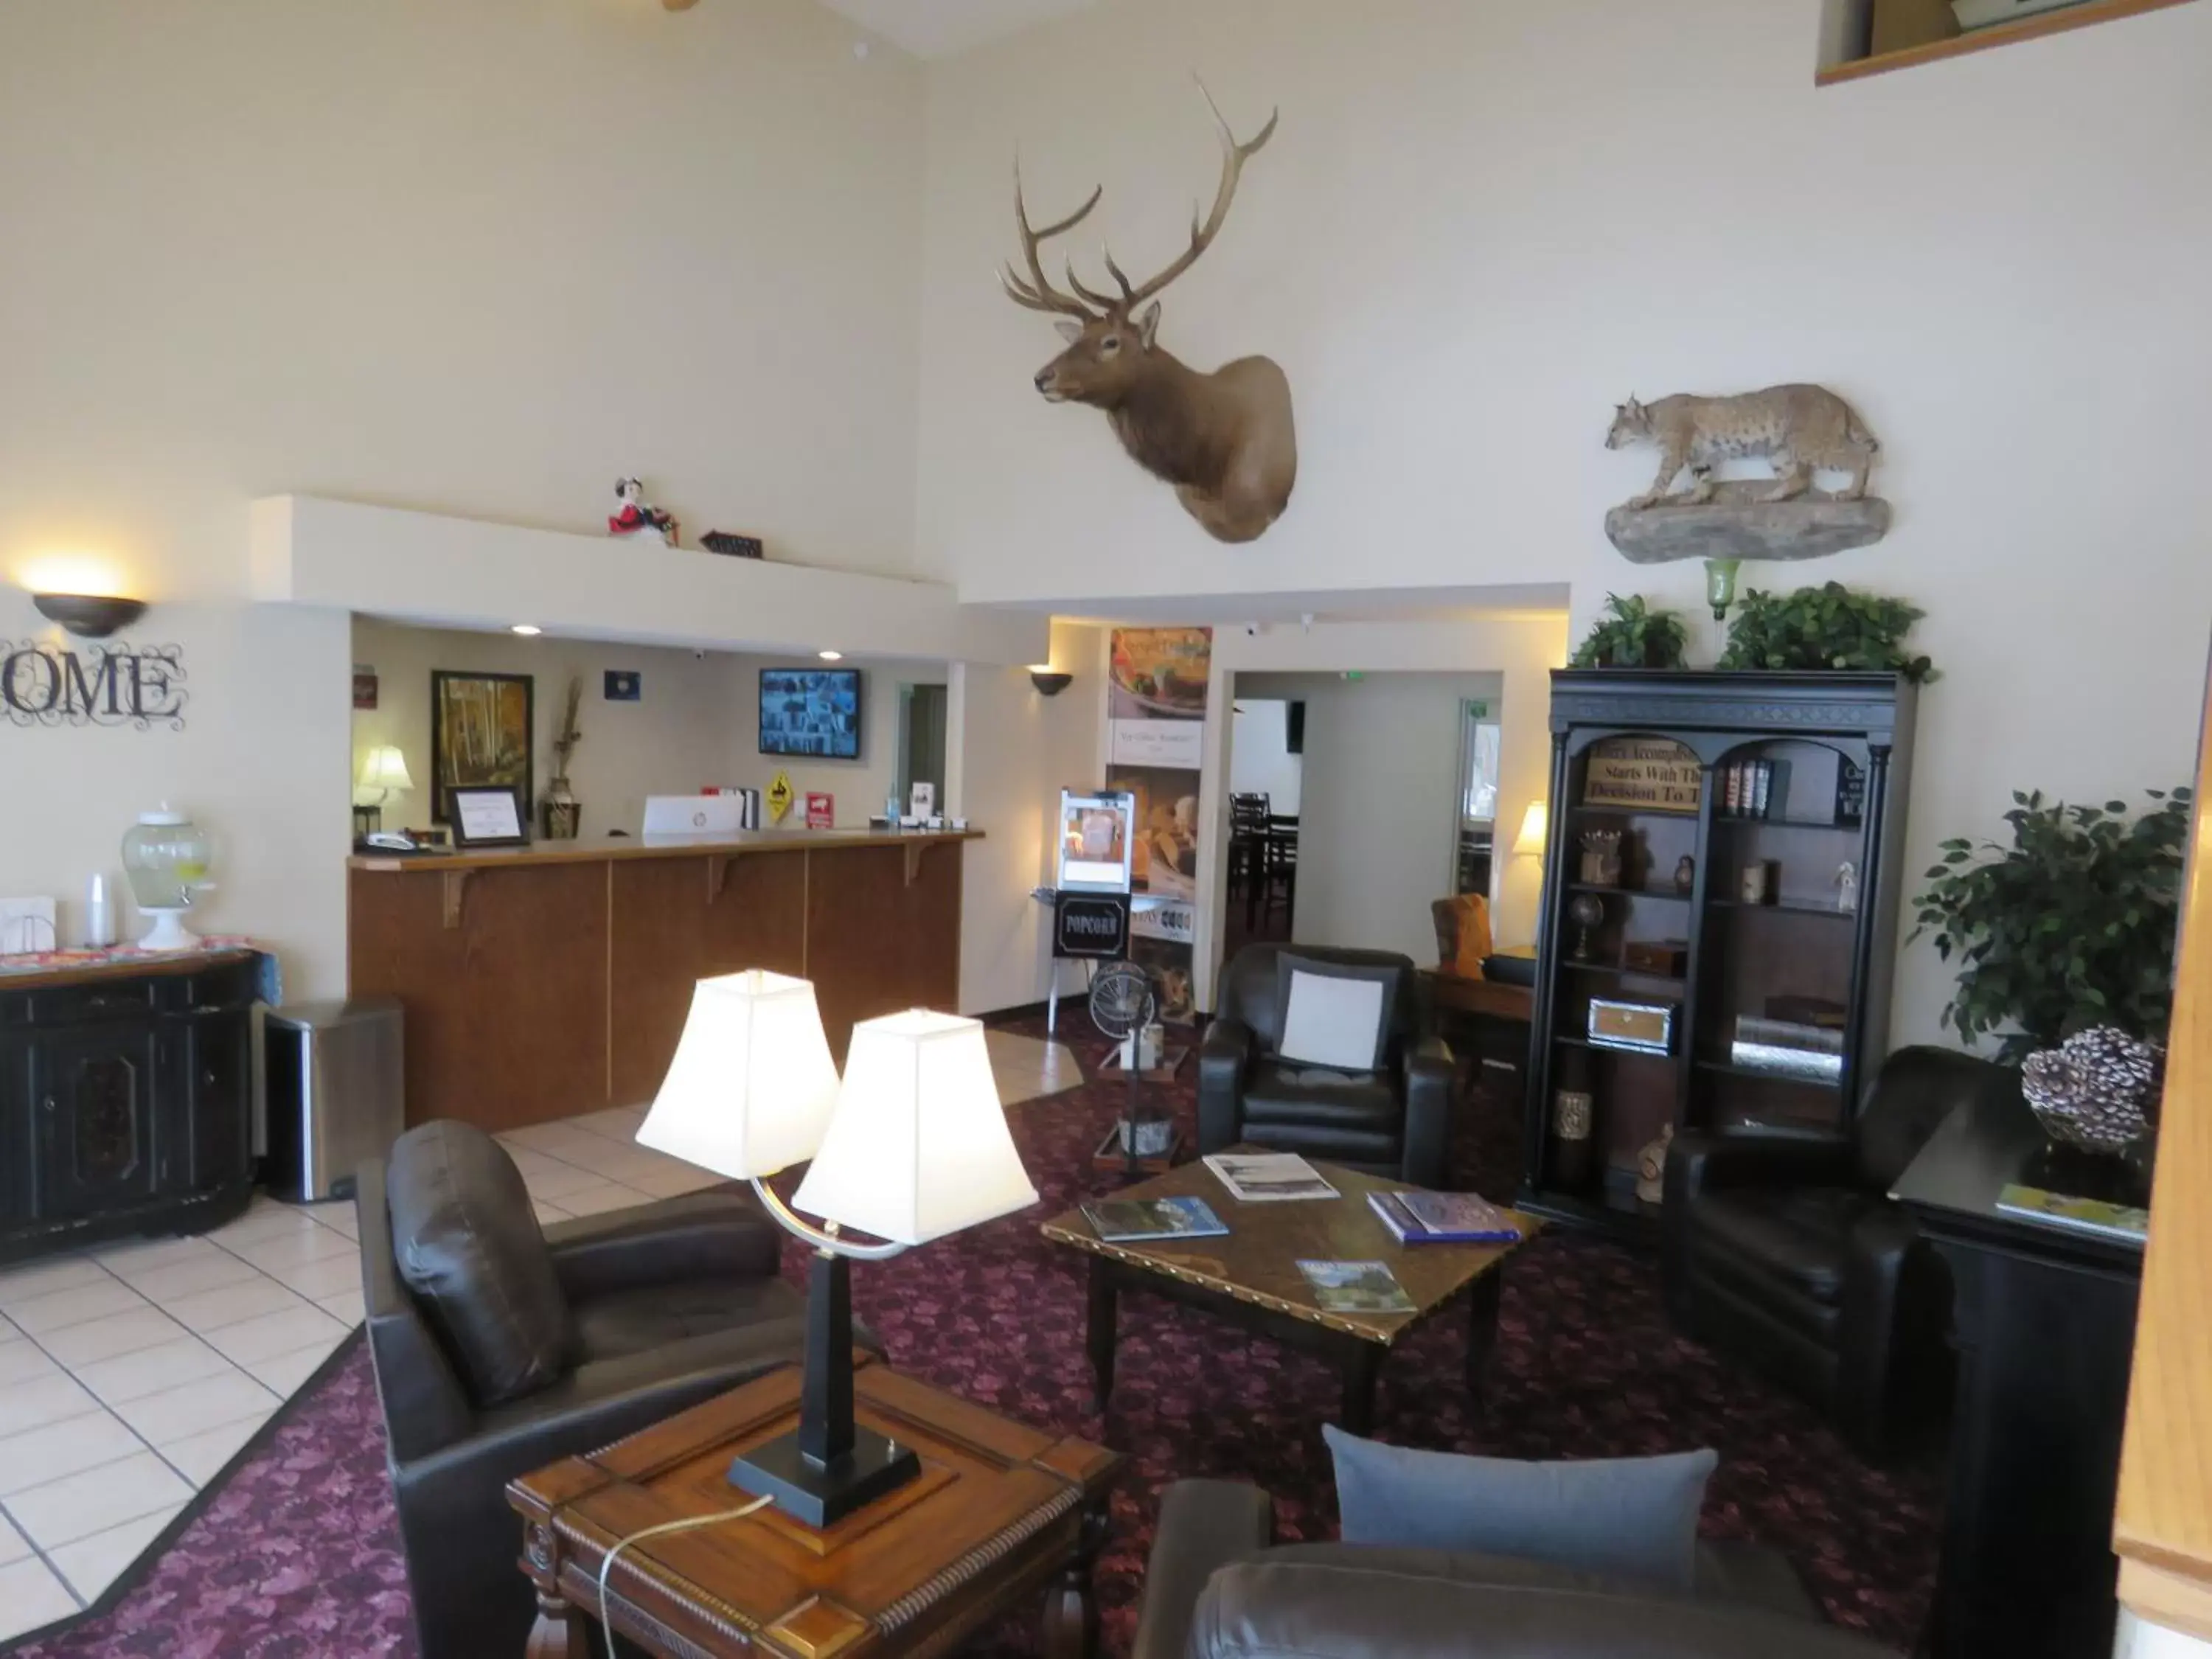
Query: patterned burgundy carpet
<point x="298" y="1556"/>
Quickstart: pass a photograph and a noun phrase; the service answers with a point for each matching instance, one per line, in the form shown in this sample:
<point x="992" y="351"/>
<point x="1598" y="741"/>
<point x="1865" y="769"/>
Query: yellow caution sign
<point x="779" y="797"/>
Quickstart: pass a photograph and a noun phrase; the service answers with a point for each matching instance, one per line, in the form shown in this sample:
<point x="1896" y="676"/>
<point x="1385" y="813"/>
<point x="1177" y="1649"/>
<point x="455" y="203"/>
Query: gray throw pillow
<point x="1371" y="1045"/>
<point x="1633" y="1518"/>
<point x="468" y="1245"/>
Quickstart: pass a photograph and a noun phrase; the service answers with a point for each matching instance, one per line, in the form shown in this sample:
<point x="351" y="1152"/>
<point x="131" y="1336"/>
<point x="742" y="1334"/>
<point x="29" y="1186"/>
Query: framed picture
<point x="489" y="816"/>
<point x="483" y="735"/>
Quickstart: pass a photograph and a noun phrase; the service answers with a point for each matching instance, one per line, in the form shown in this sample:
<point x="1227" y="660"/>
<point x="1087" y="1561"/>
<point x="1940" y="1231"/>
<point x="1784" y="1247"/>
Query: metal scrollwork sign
<point x="118" y="684"/>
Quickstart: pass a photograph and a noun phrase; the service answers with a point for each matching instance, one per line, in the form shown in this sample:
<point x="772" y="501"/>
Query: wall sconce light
<point x="88" y="616"/>
<point x="1720" y="585"/>
<point x="1536" y="827"/>
<point x="1047" y="683"/>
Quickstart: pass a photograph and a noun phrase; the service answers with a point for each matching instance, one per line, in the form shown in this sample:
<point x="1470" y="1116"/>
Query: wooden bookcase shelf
<point x="1836" y="750"/>
<point x="1997" y="34"/>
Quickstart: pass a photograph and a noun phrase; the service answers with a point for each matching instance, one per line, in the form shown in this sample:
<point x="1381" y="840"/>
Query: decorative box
<point x="1644" y="1027"/>
<point x="1669" y="959"/>
<point x="735" y="547"/>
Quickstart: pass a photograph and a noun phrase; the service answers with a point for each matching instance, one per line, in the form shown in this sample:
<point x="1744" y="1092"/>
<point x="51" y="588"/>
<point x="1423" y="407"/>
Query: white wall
<point x="1009" y="751"/>
<point x="1378" y="838"/>
<point x="478" y="258"/>
<point x="1520" y="650"/>
<point x="1479" y="226"/>
<point x="1259" y="758"/>
<point x="2140" y="1639"/>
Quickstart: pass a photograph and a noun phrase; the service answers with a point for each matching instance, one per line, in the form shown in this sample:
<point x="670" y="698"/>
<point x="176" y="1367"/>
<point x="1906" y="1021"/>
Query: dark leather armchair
<point x="1396" y="1122"/>
<point x="657" y="1308"/>
<point x="1788" y="1253"/>
<point x="1215" y="1589"/>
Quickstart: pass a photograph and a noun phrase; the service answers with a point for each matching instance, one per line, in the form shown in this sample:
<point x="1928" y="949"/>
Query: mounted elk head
<point x="1226" y="441"/>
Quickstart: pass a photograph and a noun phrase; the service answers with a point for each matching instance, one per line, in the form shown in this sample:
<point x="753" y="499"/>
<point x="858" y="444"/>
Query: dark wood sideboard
<point x="126" y="1100"/>
<point x="2043" y="1319"/>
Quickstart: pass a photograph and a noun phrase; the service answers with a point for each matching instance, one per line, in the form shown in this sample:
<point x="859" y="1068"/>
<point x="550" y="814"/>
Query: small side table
<point x="1000" y="1514"/>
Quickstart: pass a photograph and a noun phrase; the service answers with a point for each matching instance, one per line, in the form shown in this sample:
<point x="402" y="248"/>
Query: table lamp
<point x="384" y="769"/>
<point x="912" y="1147"/>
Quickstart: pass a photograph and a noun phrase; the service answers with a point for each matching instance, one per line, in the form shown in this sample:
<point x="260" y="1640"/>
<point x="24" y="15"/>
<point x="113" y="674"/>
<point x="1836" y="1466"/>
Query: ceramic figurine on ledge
<point x="638" y="518"/>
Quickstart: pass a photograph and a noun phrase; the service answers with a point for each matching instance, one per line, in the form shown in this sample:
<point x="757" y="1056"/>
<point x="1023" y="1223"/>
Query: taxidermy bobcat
<point x="1795" y="427"/>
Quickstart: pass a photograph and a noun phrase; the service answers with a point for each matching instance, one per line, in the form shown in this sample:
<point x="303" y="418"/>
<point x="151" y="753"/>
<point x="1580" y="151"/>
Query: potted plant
<point x="1632" y="634"/>
<point x="562" y="813"/>
<point x="2065" y="941"/>
<point x="1827" y="627"/>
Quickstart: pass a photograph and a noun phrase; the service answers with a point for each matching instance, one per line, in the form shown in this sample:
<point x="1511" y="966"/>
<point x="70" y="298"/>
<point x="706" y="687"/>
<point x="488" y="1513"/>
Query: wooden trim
<point x="197" y="962"/>
<point x="592" y="852"/>
<point x="457" y="894"/>
<point x="1997" y="34"/>
<point x="2167" y="1598"/>
<point x="2163" y="1519"/>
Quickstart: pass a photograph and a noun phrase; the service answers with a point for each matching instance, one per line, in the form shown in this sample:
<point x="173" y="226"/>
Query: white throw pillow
<point x="1332" y="1022"/>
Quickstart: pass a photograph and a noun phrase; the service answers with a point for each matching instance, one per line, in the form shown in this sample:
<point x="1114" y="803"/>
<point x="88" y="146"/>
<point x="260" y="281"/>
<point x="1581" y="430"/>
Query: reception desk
<point x="547" y="981"/>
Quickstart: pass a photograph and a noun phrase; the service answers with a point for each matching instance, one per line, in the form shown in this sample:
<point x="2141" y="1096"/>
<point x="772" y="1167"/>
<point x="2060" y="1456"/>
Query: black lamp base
<point x="820" y="1494"/>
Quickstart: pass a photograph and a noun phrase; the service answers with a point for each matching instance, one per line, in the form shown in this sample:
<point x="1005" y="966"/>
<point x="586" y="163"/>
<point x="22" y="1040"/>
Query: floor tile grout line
<point x="38" y="1553"/>
<point x="131" y="1430"/>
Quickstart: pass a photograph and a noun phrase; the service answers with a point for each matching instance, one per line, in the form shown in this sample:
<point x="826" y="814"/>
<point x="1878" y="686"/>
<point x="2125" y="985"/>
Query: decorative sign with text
<point x="118" y="684"/>
<point x="821" y="810"/>
<point x="1648" y="774"/>
<point x="1090" y="926"/>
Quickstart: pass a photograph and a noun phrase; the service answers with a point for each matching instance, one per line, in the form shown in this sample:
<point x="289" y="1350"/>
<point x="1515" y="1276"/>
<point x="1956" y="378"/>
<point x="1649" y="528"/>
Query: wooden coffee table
<point x="1000" y="1514"/>
<point x="1250" y="1277"/>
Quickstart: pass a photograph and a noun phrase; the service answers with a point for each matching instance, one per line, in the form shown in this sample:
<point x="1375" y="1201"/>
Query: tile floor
<point x="130" y="1376"/>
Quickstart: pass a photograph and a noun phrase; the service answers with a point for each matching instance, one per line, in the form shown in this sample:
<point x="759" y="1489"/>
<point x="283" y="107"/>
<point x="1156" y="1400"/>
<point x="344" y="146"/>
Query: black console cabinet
<point x="126" y="1100"/>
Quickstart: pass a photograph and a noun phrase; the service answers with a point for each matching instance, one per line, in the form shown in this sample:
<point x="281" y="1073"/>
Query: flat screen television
<point x="813" y="712"/>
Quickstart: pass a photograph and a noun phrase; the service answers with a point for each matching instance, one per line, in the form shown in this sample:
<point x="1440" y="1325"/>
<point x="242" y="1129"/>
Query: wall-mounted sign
<point x="1177" y="744"/>
<point x="98" y="686"/>
<point x="624" y="685"/>
<point x="1090" y="926"/>
<point x="364" y="686"/>
<point x="1647" y="775"/>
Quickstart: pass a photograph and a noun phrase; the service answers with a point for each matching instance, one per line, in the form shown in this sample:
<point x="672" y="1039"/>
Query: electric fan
<point x="1122" y="1006"/>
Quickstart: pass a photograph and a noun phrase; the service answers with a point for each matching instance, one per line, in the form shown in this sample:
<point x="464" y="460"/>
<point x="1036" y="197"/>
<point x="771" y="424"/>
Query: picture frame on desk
<point x="490" y="816"/>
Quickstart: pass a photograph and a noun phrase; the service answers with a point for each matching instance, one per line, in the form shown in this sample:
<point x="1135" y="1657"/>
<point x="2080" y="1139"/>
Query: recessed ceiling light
<point x="528" y="630"/>
<point x="833" y="656"/>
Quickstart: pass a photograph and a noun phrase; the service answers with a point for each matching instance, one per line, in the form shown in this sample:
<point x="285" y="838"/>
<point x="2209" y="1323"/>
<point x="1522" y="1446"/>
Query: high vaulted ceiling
<point x="943" y="28"/>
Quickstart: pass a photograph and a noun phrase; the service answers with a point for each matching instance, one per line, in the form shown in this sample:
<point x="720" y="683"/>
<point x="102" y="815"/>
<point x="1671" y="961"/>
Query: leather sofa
<point x="1216" y="1588"/>
<point x="1788" y="1253"/>
<point x="658" y="1307"/>
<point x="1395" y="1121"/>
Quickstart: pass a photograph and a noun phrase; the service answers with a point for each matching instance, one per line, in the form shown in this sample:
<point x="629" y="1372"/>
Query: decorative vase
<point x="1572" y="1114"/>
<point x="1651" y="1167"/>
<point x="2095" y="1091"/>
<point x="560" y="813"/>
<point x="1685" y="874"/>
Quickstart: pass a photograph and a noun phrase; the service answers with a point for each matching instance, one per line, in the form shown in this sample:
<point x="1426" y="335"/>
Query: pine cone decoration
<point x="2096" y="1090"/>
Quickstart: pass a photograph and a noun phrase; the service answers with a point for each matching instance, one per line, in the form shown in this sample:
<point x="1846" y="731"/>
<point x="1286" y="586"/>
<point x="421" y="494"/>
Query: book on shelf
<point x="1356" y="1287"/>
<point x="1136" y="1220"/>
<point x="2127" y="1222"/>
<point x="1267" y="1177"/>
<point x="1418" y="1218"/>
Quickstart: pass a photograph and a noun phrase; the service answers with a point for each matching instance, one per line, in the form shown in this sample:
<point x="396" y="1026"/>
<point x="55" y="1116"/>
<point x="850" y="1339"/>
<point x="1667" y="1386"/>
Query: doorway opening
<point x="921" y="743"/>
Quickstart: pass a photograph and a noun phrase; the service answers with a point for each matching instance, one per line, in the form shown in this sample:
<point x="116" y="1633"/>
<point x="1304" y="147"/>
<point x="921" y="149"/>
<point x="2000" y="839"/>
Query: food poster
<point x="1156" y="706"/>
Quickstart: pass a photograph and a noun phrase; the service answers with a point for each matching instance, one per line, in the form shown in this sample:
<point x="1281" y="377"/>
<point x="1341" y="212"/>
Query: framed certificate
<point x="490" y="816"/>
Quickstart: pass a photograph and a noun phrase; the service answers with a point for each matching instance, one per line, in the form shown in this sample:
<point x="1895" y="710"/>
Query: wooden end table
<point x="1250" y="1277"/>
<point x="999" y="1514"/>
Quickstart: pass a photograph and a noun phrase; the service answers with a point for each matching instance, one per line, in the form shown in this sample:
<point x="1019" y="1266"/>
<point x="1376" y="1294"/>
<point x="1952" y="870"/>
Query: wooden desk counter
<point x="542" y="981"/>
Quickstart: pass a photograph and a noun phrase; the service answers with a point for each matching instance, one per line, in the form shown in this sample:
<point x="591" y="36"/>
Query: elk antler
<point x="1037" y="293"/>
<point x="1233" y="157"/>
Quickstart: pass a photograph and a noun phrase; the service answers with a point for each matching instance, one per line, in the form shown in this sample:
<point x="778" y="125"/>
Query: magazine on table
<point x="1418" y="1218"/>
<point x="1267" y="1177"/>
<point x="1135" y="1220"/>
<point x="2129" y="1222"/>
<point x="1356" y="1287"/>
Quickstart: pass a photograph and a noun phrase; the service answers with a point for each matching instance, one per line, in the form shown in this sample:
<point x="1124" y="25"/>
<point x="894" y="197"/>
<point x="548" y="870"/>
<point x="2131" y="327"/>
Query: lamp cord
<point x="606" y="1620"/>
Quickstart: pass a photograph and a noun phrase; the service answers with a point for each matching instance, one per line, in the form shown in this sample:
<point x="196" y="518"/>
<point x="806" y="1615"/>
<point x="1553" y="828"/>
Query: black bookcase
<point x="1796" y="775"/>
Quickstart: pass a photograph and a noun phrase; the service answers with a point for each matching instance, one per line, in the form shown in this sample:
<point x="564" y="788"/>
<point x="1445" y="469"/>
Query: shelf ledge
<point x="1996" y="34"/>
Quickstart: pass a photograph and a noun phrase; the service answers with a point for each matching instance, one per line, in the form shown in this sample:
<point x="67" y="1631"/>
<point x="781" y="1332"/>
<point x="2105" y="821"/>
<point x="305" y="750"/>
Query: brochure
<point x="1356" y="1287"/>
<point x="1267" y="1177"/>
<point x="1417" y="1217"/>
<point x="1133" y="1220"/>
<point x="2086" y="1215"/>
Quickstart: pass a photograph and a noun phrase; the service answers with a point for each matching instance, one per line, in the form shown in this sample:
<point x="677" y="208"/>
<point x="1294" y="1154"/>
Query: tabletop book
<point x="2088" y="1215"/>
<point x="1418" y="1218"/>
<point x="1136" y="1220"/>
<point x="1356" y="1287"/>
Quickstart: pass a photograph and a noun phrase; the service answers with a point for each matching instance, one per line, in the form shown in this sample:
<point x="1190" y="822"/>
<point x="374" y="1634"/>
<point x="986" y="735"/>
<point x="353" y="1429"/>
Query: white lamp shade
<point x="384" y="767"/>
<point x="752" y="1084"/>
<point x="919" y="1147"/>
<point x="1534" y="826"/>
